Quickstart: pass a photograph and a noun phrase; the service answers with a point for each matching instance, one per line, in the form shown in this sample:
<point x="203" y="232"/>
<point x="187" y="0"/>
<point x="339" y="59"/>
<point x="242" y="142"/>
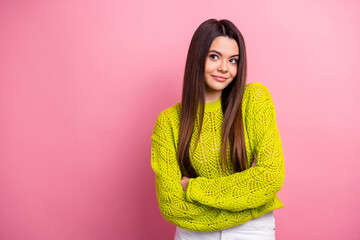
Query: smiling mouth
<point x="221" y="79"/>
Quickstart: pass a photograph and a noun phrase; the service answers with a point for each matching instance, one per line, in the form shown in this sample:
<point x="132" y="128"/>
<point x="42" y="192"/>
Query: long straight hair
<point x="193" y="96"/>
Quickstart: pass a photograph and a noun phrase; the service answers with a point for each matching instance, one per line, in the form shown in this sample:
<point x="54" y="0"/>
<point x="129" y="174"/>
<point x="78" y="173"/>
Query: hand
<point x="184" y="183"/>
<point x="254" y="163"/>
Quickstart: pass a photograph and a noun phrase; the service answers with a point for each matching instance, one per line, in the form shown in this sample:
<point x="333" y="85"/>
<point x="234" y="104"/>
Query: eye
<point x="213" y="56"/>
<point x="234" y="60"/>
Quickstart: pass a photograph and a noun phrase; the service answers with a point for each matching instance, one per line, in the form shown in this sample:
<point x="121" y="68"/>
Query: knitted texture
<point x="219" y="199"/>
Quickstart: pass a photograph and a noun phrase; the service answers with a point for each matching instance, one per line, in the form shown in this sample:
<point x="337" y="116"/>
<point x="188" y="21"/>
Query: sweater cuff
<point x="188" y="195"/>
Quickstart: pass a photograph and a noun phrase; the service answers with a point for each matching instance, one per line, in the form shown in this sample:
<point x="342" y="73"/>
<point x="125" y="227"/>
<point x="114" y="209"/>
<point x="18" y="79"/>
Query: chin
<point x="218" y="87"/>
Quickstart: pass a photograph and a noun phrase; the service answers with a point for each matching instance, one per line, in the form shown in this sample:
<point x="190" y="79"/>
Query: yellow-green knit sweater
<point x="216" y="199"/>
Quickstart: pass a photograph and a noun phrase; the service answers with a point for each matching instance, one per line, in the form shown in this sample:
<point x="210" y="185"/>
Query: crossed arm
<point x="203" y="204"/>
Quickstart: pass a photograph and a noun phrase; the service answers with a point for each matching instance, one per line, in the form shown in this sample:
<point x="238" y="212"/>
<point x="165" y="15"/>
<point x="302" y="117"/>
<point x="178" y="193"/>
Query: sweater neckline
<point x="212" y="106"/>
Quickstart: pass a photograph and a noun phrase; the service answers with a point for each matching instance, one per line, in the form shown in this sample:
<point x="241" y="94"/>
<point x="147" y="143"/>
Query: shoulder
<point x="166" y="123"/>
<point x="257" y="93"/>
<point x="257" y="90"/>
<point x="170" y="114"/>
<point x="257" y="102"/>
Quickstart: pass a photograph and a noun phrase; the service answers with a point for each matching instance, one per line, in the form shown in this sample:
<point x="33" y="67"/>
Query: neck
<point x="212" y="96"/>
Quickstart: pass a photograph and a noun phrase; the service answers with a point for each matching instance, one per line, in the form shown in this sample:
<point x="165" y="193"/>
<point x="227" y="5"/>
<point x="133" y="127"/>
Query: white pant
<point x="261" y="228"/>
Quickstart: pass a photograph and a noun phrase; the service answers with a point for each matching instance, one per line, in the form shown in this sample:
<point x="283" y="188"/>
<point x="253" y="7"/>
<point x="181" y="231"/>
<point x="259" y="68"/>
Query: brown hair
<point x="193" y="94"/>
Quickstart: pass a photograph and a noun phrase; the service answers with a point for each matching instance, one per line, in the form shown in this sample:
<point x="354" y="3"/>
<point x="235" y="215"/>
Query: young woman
<point x="217" y="154"/>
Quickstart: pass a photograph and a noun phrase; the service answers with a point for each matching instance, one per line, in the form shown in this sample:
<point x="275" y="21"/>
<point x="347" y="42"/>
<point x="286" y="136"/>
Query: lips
<point x="219" y="78"/>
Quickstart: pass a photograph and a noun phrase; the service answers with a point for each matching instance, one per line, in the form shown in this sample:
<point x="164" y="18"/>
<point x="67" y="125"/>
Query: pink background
<point x="82" y="82"/>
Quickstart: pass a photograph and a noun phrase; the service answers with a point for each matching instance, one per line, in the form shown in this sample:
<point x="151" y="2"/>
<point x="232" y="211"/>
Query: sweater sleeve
<point x="257" y="185"/>
<point x="170" y="195"/>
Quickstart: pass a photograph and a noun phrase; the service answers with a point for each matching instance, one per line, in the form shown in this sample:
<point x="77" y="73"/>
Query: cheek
<point x="210" y="66"/>
<point x="233" y="70"/>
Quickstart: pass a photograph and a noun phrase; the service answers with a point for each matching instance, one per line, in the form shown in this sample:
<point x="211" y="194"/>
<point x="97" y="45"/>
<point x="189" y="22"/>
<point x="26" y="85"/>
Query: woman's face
<point x="221" y="66"/>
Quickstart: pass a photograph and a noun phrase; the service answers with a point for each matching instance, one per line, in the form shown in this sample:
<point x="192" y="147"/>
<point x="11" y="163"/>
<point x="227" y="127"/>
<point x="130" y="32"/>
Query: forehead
<point x="225" y="45"/>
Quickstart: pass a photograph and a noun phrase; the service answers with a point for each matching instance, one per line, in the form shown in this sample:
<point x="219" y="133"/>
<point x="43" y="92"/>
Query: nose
<point x="223" y="66"/>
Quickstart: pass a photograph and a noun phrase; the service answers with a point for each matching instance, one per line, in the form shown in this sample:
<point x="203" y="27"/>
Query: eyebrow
<point x="236" y="55"/>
